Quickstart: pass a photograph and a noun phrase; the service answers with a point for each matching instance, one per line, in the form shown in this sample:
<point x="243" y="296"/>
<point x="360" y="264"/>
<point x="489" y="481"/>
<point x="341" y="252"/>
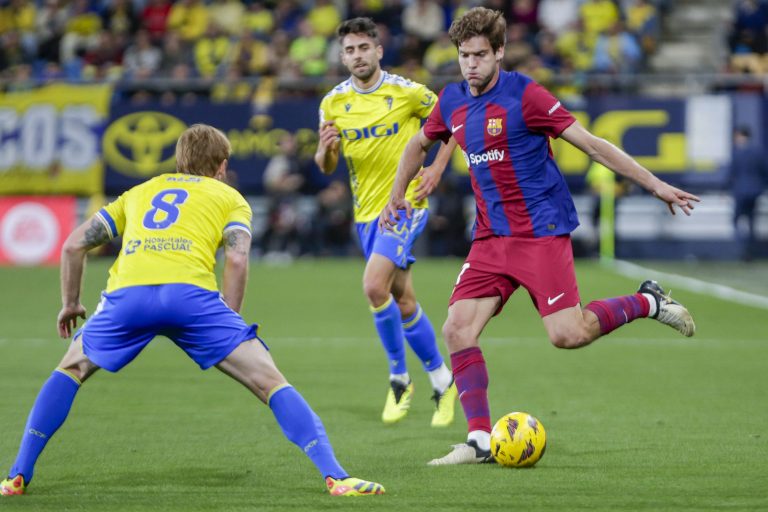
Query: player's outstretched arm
<point x="410" y="162"/>
<point x="431" y="175"/>
<point x="85" y="237"/>
<point x="237" y="250"/>
<point x="327" y="153"/>
<point x="602" y="151"/>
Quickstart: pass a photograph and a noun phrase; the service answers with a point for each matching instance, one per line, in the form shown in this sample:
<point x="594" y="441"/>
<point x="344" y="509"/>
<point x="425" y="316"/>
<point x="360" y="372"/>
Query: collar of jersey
<point x="371" y="88"/>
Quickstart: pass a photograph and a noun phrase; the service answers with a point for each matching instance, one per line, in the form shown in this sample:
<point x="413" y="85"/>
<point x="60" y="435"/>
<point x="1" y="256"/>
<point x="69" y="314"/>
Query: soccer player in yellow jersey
<point x="163" y="284"/>
<point x="370" y="118"/>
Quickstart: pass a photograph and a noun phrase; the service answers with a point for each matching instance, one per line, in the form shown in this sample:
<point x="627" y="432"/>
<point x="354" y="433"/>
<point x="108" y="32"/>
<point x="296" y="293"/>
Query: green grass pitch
<point x="642" y="420"/>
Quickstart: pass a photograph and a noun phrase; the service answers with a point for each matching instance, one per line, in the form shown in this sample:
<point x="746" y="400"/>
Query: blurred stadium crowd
<point x="231" y="42"/>
<point x="748" y="37"/>
<point x="179" y="52"/>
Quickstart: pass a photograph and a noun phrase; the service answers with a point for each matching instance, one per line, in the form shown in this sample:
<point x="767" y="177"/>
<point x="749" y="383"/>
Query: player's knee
<point x="570" y="338"/>
<point x="376" y="292"/>
<point x="456" y="336"/>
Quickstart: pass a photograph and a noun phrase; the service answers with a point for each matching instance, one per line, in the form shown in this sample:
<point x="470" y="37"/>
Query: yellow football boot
<point x="398" y="402"/>
<point x="443" y="416"/>
<point x="352" y="487"/>
<point x="13" y="486"/>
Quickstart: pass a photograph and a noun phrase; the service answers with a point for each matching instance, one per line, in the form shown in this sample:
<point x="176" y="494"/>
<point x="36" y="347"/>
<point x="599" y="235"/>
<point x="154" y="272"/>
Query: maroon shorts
<point x="496" y="266"/>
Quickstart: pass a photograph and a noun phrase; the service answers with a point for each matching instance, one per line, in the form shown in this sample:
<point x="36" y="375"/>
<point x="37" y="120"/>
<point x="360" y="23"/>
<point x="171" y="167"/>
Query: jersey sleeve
<point x="423" y="100"/>
<point x="324" y="111"/>
<point x="239" y="216"/>
<point x="544" y="113"/>
<point x="435" y="127"/>
<point x="113" y="216"/>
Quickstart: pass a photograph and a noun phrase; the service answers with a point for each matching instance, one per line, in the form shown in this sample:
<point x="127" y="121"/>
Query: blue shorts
<point x="396" y="244"/>
<point x="195" y="319"/>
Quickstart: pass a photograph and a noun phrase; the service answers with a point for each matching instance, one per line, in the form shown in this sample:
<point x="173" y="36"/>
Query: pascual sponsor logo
<point x="493" y="155"/>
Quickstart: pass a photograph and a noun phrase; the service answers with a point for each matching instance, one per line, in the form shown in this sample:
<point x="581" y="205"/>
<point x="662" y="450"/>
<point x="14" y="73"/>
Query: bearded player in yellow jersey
<point x="370" y="118"/>
<point x="163" y="284"/>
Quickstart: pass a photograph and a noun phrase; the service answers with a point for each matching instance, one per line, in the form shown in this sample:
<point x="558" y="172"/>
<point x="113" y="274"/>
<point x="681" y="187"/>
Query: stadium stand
<point x="261" y="52"/>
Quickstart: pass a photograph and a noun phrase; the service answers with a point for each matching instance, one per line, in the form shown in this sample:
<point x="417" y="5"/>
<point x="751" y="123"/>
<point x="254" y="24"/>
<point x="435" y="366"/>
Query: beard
<point x="481" y="83"/>
<point x="363" y="74"/>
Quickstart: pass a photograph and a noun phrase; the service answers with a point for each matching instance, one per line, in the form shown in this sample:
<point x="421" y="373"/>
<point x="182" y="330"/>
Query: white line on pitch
<point x="718" y="291"/>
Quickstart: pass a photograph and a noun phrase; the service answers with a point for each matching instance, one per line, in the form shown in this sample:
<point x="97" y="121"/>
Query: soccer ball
<point x="518" y="440"/>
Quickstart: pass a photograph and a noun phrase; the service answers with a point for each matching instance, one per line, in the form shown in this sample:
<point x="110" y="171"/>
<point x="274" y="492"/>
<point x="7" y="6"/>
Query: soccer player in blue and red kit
<point x="525" y="214"/>
<point x="163" y="284"/>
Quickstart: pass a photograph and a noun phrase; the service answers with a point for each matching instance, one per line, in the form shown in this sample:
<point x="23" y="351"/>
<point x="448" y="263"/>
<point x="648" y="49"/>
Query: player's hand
<point x="428" y="178"/>
<point x="329" y="136"/>
<point x="67" y="320"/>
<point x="675" y="197"/>
<point x="390" y="215"/>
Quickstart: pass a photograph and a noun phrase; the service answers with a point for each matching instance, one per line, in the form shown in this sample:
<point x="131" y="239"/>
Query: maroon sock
<point x="471" y="377"/>
<point x="615" y="312"/>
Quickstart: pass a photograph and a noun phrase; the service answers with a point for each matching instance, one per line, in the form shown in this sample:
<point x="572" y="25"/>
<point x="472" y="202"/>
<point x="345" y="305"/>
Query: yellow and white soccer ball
<point x="518" y="440"/>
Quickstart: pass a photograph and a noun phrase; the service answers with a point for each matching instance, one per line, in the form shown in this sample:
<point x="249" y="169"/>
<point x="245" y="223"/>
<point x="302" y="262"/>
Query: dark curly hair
<point x="480" y="21"/>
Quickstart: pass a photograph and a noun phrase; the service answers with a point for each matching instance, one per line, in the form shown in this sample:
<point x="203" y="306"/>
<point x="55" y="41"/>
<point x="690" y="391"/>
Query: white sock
<point x="652" y="302"/>
<point x="481" y="437"/>
<point x="402" y="378"/>
<point x="440" y="378"/>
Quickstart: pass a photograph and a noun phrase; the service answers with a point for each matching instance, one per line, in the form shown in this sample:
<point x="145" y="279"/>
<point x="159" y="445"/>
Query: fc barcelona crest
<point x="494" y="126"/>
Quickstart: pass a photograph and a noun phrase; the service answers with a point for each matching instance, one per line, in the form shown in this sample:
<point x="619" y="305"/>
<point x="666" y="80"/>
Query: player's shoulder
<point x="231" y="192"/>
<point x="339" y="90"/>
<point x="336" y="99"/>
<point x="399" y="82"/>
<point x="453" y="89"/>
<point x="398" y="86"/>
<point x="452" y="95"/>
<point x="149" y="185"/>
<point x="221" y="187"/>
<point x="515" y="83"/>
<point x="224" y="193"/>
<point x="513" y="77"/>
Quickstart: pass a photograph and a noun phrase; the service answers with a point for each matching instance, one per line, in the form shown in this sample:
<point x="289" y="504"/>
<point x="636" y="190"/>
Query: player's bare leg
<point x="48" y="414"/>
<point x="572" y="327"/>
<point x="420" y="336"/>
<point x="378" y="277"/>
<point x="252" y="365"/>
<point x="466" y="321"/>
<point x="76" y="363"/>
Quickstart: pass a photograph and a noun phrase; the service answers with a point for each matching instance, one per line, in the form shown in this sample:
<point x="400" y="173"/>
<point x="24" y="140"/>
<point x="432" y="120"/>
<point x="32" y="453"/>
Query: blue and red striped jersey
<point x="504" y="133"/>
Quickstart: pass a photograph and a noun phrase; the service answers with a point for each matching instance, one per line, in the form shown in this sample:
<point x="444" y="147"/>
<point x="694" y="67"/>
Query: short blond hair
<point x="201" y="149"/>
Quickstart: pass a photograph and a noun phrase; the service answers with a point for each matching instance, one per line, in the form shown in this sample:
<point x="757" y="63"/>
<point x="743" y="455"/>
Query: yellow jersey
<point x="172" y="226"/>
<point x="375" y="125"/>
